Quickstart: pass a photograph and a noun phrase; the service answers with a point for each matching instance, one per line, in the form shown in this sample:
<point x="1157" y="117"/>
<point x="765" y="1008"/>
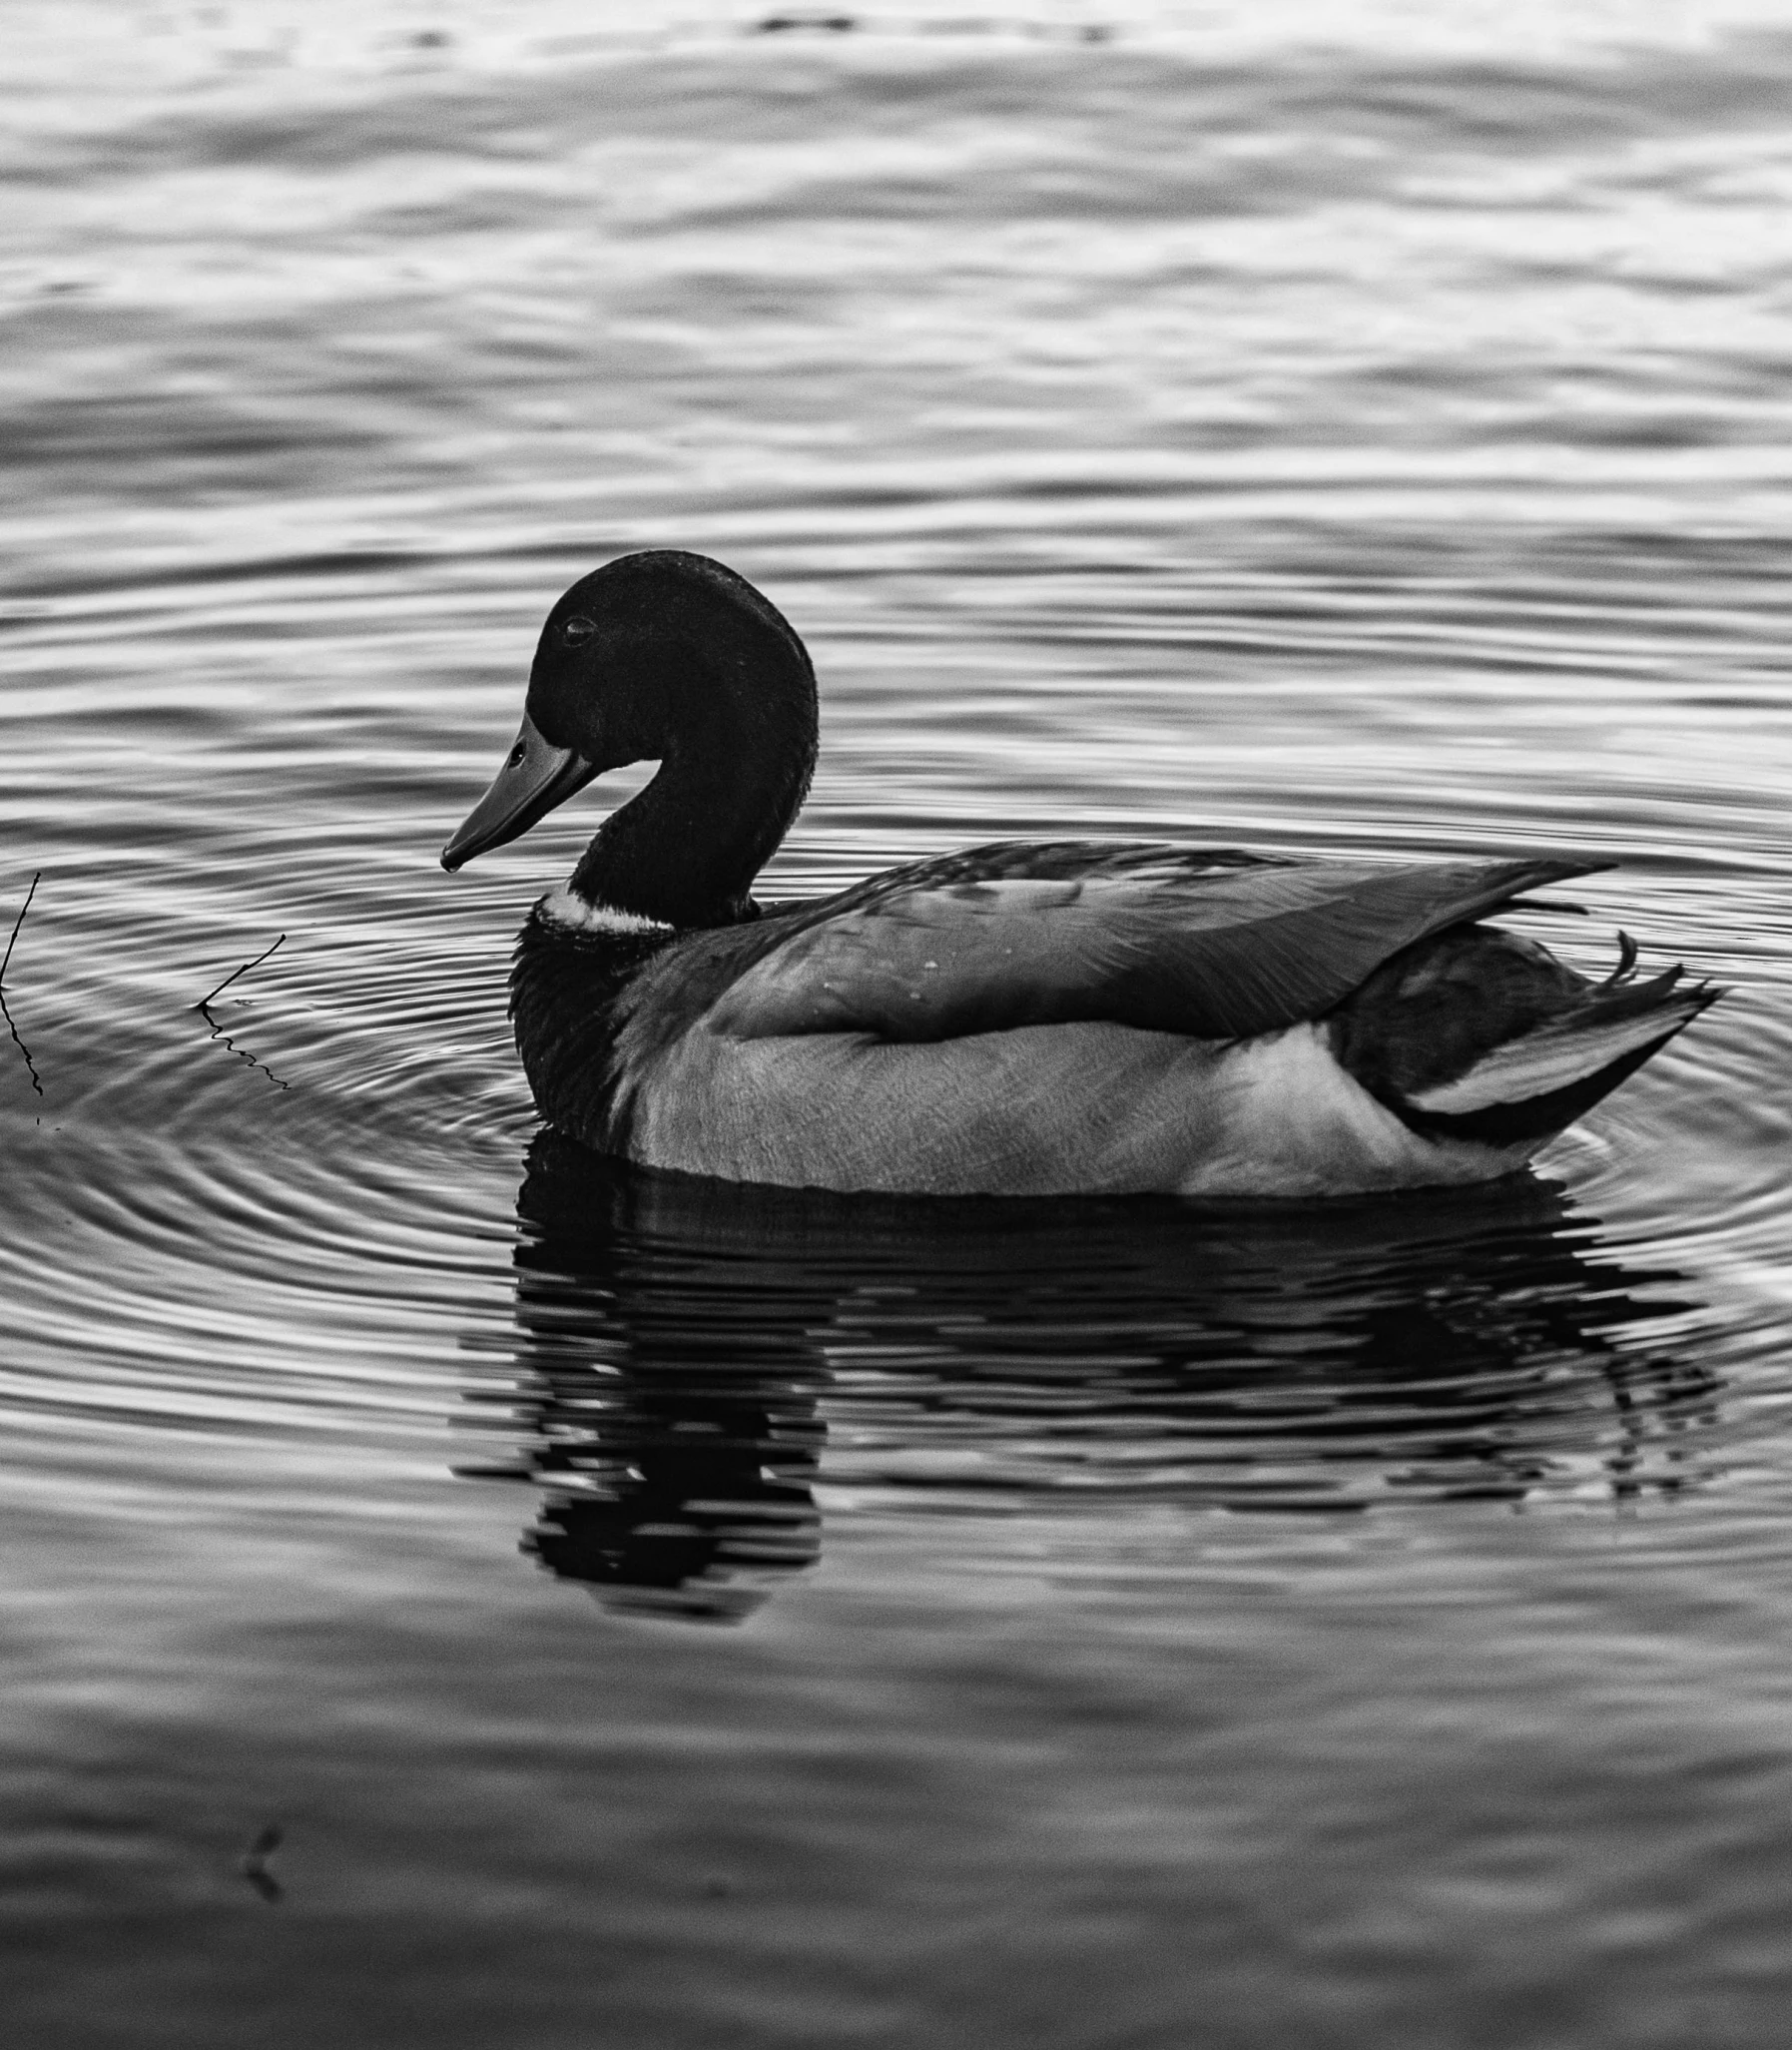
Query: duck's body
<point x="1016" y="1018"/>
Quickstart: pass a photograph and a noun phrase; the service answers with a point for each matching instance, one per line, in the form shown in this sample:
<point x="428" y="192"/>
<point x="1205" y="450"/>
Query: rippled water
<point x="1349" y="428"/>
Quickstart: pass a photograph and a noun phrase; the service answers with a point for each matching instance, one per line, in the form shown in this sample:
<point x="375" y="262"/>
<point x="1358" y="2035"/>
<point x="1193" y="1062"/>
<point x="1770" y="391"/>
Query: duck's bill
<point x="535" y="779"/>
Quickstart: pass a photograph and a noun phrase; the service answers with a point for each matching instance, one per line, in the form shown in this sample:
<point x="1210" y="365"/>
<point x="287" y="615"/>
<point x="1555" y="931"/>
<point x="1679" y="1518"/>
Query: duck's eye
<point x="517" y="753"/>
<point x="577" y="631"/>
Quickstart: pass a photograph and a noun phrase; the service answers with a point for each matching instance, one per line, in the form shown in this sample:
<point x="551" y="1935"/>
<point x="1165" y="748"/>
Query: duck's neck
<point x="733" y="771"/>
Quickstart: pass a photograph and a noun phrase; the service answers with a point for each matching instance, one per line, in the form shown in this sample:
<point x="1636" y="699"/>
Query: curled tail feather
<point x="1486" y="1037"/>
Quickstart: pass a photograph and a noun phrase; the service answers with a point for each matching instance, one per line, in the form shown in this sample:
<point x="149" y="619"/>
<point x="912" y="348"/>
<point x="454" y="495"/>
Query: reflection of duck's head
<point x="676" y="1336"/>
<point x="675" y="1427"/>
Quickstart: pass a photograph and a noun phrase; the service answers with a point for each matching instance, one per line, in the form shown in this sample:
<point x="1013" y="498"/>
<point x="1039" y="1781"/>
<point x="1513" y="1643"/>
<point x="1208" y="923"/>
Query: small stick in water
<point x="202" y="1007"/>
<point x="30" y="1065"/>
<point x="18" y="922"/>
<point x="235" y="973"/>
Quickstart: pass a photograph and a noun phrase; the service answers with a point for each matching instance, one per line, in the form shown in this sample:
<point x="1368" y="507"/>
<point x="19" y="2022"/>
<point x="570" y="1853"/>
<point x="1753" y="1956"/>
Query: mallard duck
<point x="1020" y="1018"/>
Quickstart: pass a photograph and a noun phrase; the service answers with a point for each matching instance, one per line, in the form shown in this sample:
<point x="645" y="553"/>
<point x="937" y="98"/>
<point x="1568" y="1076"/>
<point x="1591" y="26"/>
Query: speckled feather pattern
<point x="1037" y="1110"/>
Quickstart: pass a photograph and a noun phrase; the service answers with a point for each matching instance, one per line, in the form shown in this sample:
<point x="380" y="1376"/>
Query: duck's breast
<point x="1042" y="1109"/>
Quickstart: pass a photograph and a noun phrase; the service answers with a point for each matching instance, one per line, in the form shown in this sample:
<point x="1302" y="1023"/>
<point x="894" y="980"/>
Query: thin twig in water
<point x="235" y="973"/>
<point x="202" y="1007"/>
<point x="18" y="922"/>
<point x="30" y="1065"/>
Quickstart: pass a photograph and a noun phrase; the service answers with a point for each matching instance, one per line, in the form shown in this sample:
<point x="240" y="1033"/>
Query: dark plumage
<point x="1018" y="1017"/>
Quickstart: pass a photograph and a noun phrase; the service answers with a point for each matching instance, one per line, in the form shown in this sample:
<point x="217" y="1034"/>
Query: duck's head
<point x="672" y="658"/>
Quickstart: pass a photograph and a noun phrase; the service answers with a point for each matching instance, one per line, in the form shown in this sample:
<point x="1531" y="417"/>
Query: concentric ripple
<point x="1235" y="426"/>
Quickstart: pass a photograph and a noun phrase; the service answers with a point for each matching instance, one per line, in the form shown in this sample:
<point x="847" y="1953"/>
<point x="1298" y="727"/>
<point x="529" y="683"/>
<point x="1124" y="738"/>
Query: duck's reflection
<point x="675" y="1336"/>
<point x="669" y="1386"/>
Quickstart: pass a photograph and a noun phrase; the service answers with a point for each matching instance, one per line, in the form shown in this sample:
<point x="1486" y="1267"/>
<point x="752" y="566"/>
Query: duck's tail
<point x="1534" y="1085"/>
<point x="1546" y="1047"/>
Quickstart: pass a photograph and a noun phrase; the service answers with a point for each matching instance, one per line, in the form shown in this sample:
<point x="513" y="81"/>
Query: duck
<point x="1018" y="1018"/>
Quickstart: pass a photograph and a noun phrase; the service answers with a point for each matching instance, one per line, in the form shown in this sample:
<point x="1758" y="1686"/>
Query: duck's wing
<point x="1216" y="947"/>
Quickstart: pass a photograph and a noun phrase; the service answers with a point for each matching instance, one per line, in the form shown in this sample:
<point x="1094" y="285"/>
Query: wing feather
<point x="1213" y="947"/>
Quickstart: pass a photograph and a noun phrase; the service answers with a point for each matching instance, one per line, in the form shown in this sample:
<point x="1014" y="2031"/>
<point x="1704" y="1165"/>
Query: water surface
<point x="658" y="1613"/>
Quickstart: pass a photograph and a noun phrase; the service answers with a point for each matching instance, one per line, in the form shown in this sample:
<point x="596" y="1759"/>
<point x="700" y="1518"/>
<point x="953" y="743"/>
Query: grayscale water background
<point x="661" y="1615"/>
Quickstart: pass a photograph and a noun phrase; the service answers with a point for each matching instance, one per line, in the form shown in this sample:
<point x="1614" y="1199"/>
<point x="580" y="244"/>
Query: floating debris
<point x="202" y="1007"/>
<point x="16" y="923"/>
<point x="800" y="21"/>
<point x="30" y="1065"/>
<point x="252" y="1864"/>
<point x="231" y="977"/>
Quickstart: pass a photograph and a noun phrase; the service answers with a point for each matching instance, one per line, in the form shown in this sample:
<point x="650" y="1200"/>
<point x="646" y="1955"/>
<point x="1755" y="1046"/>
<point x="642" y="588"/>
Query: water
<point x="669" y="1614"/>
